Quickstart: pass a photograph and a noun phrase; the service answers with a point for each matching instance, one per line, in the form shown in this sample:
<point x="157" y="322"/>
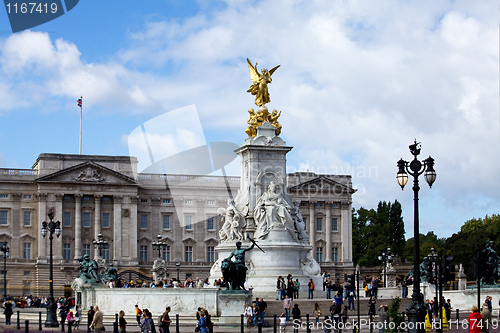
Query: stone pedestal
<point x="232" y="305"/>
<point x="391" y="276"/>
<point x="462" y="278"/>
<point x="263" y="161"/>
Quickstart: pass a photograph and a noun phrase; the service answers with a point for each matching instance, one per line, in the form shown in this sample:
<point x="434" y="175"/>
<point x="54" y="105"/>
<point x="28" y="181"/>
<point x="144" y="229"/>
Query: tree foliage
<point x="374" y="231"/>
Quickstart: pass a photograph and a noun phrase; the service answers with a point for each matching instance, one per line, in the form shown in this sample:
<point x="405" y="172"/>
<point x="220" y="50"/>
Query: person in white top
<point x="249" y="314"/>
<point x="282" y="323"/>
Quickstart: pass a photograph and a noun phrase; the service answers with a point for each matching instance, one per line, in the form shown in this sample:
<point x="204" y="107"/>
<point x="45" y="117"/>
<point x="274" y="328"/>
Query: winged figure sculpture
<point x="260" y="81"/>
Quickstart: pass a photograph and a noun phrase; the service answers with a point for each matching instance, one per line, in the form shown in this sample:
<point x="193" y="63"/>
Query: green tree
<point x="374" y="231"/>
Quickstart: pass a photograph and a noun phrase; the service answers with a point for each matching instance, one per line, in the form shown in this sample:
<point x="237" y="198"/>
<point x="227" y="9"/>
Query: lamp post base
<point x="416" y="314"/>
<point x="51" y="320"/>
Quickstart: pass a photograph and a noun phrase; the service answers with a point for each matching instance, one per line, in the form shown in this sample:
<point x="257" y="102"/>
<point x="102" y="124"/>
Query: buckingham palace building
<point x="94" y="195"/>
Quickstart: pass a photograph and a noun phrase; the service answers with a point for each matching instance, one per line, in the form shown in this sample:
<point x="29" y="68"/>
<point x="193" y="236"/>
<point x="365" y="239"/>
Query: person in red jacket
<point x="475" y="320"/>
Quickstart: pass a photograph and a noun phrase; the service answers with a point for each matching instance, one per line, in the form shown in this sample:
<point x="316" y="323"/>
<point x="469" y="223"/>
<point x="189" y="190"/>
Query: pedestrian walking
<point x="138" y="315"/>
<point x="97" y="322"/>
<point x="474" y="320"/>
<point x="310" y="286"/>
<point x="165" y="321"/>
<point x="248" y="313"/>
<point x="90" y="317"/>
<point x="296" y="317"/>
<point x="122" y="323"/>
<point x="8" y="311"/>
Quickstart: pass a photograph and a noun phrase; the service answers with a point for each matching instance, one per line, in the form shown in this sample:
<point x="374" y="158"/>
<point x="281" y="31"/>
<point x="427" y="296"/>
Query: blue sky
<point x="358" y="82"/>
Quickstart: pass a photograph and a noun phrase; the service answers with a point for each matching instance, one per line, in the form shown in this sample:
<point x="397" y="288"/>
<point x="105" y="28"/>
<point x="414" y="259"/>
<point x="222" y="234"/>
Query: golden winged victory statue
<point x="260" y="81"/>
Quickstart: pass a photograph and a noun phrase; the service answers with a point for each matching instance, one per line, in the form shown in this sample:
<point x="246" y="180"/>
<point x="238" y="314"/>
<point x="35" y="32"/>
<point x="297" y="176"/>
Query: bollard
<point x="177" y="323"/>
<point x="308" y="329"/>
<point x="27" y="326"/>
<point x="115" y="327"/>
<point x="458" y="314"/>
<point x="242" y="324"/>
<point x="40" y="321"/>
<point x="69" y="327"/>
<point x="275" y="329"/>
<point x="18" y="325"/>
<point x="259" y="328"/>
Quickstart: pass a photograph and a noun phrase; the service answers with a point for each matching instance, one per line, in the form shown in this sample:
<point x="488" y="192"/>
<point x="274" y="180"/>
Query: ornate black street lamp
<point x="385" y="257"/>
<point x="51" y="228"/>
<point x="100" y="243"/>
<point x="159" y="245"/>
<point x="178" y="265"/>
<point x="4" y="250"/>
<point x="416" y="309"/>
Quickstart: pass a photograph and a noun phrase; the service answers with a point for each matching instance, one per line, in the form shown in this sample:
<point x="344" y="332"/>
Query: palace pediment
<point x="324" y="185"/>
<point x="88" y="173"/>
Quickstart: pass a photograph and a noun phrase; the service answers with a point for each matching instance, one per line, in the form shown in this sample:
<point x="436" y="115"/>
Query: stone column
<point x="134" y="258"/>
<point x="78" y="225"/>
<point x="58" y="214"/>
<point x="312" y="227"/>
<point x="97" y="216"/>
<point x="117" y="227"/>
<point x="15" y="227"/>
<point x="328" y="232"/>
<point x="42" y="216"/>
<point x="346" y="232"/>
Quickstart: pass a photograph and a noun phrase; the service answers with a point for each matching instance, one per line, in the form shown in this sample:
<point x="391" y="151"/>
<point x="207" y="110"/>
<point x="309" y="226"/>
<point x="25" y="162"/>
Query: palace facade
<point x="103" y="195"/>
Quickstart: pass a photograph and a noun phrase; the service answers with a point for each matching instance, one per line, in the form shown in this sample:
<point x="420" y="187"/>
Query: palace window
<point x="86" y="249"/>
<point x="210" y="254"/>
<point x="3" y="217"/>
<point x="67" y="251"/>
<point x="144" y="221"/>
<point x="105" y="252"/>
<point x="334" y="224"/>
<point x="319" y="254"/>
<point x="143" y="253"/>
<point x="166" y="222"/>
<point x="26" y="250"/>
<point x="335" y="254"/>
<point x="86" y="220"/>
<point x="319" y="224"/>
<point x="166" y="253"/>
<point x="210" y="223"/>
<point x="334" y="205"/>
<point x="105" y="220"/>
<point x="189" y="225"/>
<point x="27" y="218"/>
<point x="188" y="253"/>
<point x="67" y="219"/>
<point x="166" y="200"/>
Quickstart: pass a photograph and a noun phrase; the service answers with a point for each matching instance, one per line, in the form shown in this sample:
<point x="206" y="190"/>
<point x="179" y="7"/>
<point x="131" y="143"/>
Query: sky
<point x="359" y="81"/>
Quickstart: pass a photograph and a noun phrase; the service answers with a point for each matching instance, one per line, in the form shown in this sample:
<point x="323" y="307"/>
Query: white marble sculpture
<point x="299" y="223"/>
<point x="271" y="209"/>
<point x="233" y="222"/>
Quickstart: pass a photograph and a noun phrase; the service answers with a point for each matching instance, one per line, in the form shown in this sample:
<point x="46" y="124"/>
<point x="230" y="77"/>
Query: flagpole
<point x="81" y="111"/>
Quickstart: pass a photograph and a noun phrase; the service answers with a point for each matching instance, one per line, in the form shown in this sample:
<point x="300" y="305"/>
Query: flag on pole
<point x="79" y="102"/>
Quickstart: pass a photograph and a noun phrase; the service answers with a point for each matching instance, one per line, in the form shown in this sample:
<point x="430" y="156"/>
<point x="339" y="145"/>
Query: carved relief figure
<point x="299" y="222"/>
<point x="234" y="221"/>
<point x="271" y="208"/>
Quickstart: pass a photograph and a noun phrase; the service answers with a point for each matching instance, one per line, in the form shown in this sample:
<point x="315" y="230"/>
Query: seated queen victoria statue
<point x="271" y="210"/>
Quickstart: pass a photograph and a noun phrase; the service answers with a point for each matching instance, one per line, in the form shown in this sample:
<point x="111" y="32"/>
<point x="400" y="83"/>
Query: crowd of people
<point x="172" y="283"/>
